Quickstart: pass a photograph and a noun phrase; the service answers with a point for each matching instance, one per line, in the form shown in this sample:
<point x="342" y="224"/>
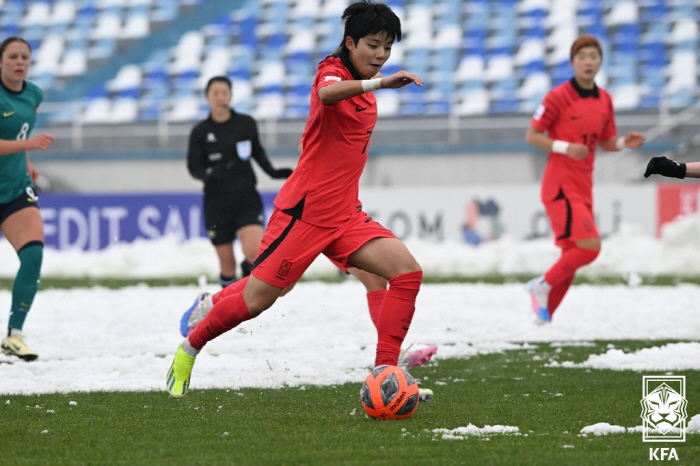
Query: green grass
<point x="114" y="282"/>
<point x="316" y="425"/>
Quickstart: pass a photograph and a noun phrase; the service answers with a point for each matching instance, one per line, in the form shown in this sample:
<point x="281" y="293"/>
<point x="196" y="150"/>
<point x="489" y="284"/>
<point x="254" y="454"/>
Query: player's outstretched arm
<point x="400" y="79"/>
<point x="344" y="90"/>
<point x="39" y="142"/>
<point x="672" y="169"/>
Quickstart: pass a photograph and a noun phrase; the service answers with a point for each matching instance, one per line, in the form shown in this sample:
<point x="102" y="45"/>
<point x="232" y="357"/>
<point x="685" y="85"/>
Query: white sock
<point x="14" y="331"/>
<point x="187" y="348"/>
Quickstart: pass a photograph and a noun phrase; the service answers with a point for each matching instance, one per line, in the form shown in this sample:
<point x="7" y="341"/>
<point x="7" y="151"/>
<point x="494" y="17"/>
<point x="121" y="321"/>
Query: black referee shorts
<point x="225" y="214"/>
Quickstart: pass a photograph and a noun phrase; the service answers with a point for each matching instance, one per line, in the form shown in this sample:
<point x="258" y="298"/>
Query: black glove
<point x="281" y="173"/>
<point x="665" y="167"/>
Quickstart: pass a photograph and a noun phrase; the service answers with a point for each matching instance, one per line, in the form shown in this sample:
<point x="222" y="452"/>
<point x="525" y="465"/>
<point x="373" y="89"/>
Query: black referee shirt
<point x="219" y="154"/>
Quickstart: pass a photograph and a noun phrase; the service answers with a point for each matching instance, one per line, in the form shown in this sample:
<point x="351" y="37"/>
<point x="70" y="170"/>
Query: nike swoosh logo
<point x="360" y="109"/>
<point x="405" y="328"/>
<point x="576" y="117"/>
<point x="7" y="114"/>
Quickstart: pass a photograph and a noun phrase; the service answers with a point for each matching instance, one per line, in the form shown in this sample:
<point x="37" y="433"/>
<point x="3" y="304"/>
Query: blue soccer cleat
<point x="194" y="315"/>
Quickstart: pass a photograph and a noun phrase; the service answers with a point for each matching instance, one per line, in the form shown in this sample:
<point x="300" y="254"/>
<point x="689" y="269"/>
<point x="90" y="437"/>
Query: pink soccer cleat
<point x="417" y="358"/>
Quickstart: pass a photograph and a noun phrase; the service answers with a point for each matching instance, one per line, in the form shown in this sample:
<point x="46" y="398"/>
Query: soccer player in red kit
<point x="316" y="209"/>
<point x="577" y="116"/>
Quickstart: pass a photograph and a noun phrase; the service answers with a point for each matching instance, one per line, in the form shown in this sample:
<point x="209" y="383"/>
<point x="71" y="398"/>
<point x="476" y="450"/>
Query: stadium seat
<point x="128" y="77"/>
<point x="185" y="109"/>
<point x="124" y="110"/>
<point x="622" y="12"/>
<point x="476" y="56"/>
<point x="74" y="63"/>
<point x="63" y="12"/>
<point x="473" y="102"/>
<point x="38" y="14"/>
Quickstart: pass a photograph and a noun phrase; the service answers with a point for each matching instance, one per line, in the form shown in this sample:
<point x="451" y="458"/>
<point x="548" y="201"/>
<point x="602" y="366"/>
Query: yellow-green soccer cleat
<point x="425" y="394"/>
<point x="14" y="345"/>
<point x="179" y="374"/>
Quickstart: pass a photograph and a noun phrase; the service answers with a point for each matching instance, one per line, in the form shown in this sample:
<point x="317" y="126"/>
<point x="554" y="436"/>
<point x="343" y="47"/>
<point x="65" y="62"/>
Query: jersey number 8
<point x="23" y="132"/>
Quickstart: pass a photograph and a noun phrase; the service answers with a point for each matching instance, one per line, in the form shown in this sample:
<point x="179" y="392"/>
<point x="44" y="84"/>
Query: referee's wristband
<point x="369" y="85"/>
<point x="560" y="147"/>
<point x="620" y="143"/>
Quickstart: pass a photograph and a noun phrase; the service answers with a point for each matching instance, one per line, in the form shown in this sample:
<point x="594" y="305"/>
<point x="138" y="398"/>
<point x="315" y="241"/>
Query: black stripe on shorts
<point x="567" y="229"/>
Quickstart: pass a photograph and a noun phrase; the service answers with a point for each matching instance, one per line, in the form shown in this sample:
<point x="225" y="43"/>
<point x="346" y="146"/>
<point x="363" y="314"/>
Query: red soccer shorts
<point x="571" y="219"/>
<point x="290" y="245"/>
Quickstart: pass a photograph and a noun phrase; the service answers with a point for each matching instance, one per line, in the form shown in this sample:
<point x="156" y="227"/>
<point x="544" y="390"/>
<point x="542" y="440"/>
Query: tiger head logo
<point x="664" y="409"/>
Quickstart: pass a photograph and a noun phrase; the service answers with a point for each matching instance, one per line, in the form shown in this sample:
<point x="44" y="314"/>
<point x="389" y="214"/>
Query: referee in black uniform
<point x="219" y="154"/>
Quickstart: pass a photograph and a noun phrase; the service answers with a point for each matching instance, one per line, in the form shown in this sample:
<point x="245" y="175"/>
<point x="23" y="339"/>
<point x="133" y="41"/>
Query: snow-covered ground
<point x="101" y="339"/>
<point x="628" y="253"/>
<point x="320" y="333"/>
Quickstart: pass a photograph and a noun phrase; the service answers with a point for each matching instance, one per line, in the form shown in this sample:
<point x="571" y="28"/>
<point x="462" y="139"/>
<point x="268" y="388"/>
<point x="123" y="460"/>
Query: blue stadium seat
<point x="476" y="56"/>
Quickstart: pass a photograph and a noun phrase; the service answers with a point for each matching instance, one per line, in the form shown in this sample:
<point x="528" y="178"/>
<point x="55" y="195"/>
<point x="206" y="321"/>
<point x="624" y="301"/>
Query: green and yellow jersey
<point x="17" y="118"/>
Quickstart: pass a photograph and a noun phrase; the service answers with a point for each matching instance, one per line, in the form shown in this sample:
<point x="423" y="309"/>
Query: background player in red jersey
<point x="577" y="116"/>
<point x="316" y="209"/>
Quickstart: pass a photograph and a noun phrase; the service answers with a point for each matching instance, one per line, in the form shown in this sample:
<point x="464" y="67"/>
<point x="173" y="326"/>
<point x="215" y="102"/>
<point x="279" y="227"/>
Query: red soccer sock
<point x="395" y="315"/>
<point x="228" y="313"/>
<point x="374" y="302"/>
<point x="569" y="262"/>
<point x="233" y="288"/>
<point x="557" y="293"/>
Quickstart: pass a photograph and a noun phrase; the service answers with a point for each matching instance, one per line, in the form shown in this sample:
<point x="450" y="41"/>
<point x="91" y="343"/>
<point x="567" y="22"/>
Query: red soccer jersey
<point x="335" y="145"/>
<point x="575" y="115"/>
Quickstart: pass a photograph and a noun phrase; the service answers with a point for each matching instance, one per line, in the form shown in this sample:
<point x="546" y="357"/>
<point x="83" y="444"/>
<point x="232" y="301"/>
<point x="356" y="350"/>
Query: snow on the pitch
<point x="320" y="333"/>
<point x="670" y="357"/>
<point x="603" y="428"/>
<point x="629" y="252"/>
<point x="471" y="430"/>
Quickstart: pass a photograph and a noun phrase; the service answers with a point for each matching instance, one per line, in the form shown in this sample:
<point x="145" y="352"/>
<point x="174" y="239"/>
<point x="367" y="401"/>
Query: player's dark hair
<point x="217" y="79"/>
<point x="10" y="40"/>
<point x="585" y="41"/>
<point x="365" y="18"/>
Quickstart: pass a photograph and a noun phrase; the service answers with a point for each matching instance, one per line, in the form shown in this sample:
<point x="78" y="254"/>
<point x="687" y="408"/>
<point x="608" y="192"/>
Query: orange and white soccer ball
<point x="389" y="392"/>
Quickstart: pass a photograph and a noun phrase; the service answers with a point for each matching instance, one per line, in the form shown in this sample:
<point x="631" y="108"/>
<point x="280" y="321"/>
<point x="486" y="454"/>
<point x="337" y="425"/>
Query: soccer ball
<point x="389" y="392"/>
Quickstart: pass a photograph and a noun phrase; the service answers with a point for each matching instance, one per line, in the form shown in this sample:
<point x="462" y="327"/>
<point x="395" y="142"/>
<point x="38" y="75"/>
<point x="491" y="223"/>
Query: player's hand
<point x="665" y="167"/>
<point x="577" y="151"/>
<point x="33" y="172"/>
<point x="282" y="173"/>
<point x="400" y="79"/>
<point x="634" y="140"/>
<point x="40" y="142"/>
